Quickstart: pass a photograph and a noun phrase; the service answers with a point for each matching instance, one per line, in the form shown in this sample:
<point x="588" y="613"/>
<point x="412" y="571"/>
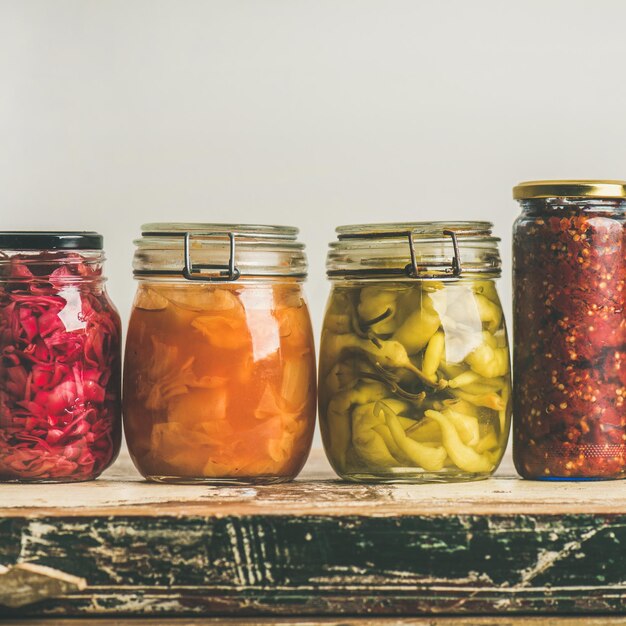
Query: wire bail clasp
<point x="227" y="273"/>
<point x="456" y="269"/>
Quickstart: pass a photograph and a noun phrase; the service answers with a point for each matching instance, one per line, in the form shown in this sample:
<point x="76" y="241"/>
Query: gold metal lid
<point x="570" y="189"/>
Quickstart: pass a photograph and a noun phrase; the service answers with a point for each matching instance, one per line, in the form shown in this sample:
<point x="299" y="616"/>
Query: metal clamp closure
<point x="227" y="273"/>
<point x="413" y="269"/>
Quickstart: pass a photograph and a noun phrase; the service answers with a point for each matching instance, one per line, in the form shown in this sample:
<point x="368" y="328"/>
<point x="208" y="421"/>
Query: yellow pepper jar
<point x="414" y="379"/>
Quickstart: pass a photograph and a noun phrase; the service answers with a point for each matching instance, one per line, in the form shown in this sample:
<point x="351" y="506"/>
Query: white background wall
<point x="306" y="112"/>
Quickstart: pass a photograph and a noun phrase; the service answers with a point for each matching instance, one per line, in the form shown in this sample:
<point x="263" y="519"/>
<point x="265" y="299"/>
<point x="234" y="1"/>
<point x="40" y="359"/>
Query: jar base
<point x="46" y="481"/>
<point x="573" y="479"/>
<point x="413" y="477"/>
<point x="220" y="482"/>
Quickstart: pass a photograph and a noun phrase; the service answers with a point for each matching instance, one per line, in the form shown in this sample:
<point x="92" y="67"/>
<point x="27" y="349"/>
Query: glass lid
<point x="218" y="252"/>
<point x="414" y="250"/>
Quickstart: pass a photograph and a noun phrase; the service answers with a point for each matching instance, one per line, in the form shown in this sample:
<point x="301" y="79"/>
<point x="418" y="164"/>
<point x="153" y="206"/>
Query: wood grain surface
<point x="350" y="621"/>
<point x="122" y="491"/>
<point x="318" y="547"/>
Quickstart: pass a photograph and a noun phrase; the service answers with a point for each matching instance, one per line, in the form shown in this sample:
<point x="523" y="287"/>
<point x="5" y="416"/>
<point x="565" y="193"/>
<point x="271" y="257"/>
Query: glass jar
<point x="219" y="378"/>
<point x="569" y="252"/>
<point x="60" y="379"/>
<point x="414" y="362"/>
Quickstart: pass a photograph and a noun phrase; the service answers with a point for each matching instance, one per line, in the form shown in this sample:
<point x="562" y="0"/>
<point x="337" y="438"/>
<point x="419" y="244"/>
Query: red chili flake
<point x="570" y="343"/>
<point x="60" y="371"/>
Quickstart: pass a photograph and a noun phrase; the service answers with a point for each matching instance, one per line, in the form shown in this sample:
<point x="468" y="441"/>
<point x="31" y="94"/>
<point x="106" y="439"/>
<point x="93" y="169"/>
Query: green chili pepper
<point x="418" y="327"/>
<point x="462" y="456"/>
<point x="489" y="400"/>
<point x="378" y="303"/>
<point x="337" y="323"/>
<point x="392" y="381"/>
<point x="490" y="313"/>
<point x="487" y="443"/>
<point x="466" y="426"/>
<point x="339" y="432"/>
<point x="431" y="459"/>
<point x="423" y="431"/>
<point x="452" y="370"/>
<point x="486" y="288"/>
<point x="466" y="378"/>
<point x="341" y="376"/>
<point x="371" y="447"/>
<point x="503" y="413"/>
<point x="390" y="353"/>
<point x="368" y="417"/>
<point x="461" y="406"/>
<point x="481" y="388"/>
<point x="433" y="355"/>
<point x="487" y="359"/>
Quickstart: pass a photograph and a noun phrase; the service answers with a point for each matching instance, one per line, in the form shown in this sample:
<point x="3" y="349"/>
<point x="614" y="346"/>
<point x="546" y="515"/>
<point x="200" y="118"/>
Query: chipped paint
<point x="324" y="564"/>
<point x="322" y="548"/>
<point x="547" y="558"/>
<point x="35" y="535"/>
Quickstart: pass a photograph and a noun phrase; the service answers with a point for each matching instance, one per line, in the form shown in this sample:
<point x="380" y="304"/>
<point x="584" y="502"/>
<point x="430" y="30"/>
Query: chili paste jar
<point x="569" y="250"/>
<point x="219" y="377"/>
<point x="60" y="372"/>
<point x="414" y="362"/>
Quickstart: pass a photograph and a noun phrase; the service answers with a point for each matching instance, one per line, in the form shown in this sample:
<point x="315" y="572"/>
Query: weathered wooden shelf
<point x="316" y="547"/>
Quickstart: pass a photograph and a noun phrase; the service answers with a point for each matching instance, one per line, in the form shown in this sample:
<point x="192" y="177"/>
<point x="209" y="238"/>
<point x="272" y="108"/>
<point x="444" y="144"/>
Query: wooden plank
<point x="122" y="492"/>
<point x="26" y="583"/>
<point x="319" y="547"/>
<point x="326" y="565"/>
<point x="353" y="621"/>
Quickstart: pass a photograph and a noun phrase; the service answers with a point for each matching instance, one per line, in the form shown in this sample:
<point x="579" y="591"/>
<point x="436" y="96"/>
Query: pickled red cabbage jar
<point x="219" y="378"/>
<point x="60" y="374"/>
<point x="414" y="362"/>
<point x="569" y="248"/>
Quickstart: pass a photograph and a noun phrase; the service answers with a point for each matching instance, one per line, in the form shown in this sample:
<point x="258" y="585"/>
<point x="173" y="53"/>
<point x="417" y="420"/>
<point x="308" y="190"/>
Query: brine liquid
<point x="219" y="382"/>
<point x="415" y="381"/>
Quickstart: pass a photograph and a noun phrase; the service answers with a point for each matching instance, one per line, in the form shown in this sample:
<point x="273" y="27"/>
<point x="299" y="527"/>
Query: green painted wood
<point x="350" y="621"/>
<point x="277" y="564"/>
<point x="318" y="547"/>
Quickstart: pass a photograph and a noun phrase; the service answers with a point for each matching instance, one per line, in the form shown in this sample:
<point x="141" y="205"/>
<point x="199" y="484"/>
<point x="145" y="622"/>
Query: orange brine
<point x="219" y="382"/>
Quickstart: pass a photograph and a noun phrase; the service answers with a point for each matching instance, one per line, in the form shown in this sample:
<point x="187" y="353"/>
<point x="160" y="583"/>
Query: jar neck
<point x="438" y="251"/>
<point x="242" y="281"/>
<point x="465" y="279"/>
<point x="56" y="266"/>
<point x="547" y="206"/>
<point x="218" y="253"/>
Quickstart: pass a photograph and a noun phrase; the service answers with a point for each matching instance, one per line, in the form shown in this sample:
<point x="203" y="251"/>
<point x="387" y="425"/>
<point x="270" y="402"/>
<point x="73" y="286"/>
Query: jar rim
<point x="433" y="228"/>
<point x="230" y="251"/>
<point x="436" y="250"/>
<point x="34" y="266"/>
<point x="62" y="256"/>
<point x="270" y="231"/>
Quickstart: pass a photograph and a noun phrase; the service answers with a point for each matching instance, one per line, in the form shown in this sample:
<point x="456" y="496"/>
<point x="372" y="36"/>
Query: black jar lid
<point x="49" y="240"/>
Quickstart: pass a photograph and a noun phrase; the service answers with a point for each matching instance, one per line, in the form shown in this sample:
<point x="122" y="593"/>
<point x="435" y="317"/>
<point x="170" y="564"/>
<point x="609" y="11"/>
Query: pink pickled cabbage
<point x="59" y="370"/>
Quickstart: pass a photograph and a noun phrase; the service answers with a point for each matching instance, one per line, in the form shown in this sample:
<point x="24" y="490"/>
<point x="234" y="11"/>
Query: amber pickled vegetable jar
<point x="569" y="249"/>
<point x="414" y="363"/>
<point x="219" y="378"/>
<point x="60" y="359"/>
